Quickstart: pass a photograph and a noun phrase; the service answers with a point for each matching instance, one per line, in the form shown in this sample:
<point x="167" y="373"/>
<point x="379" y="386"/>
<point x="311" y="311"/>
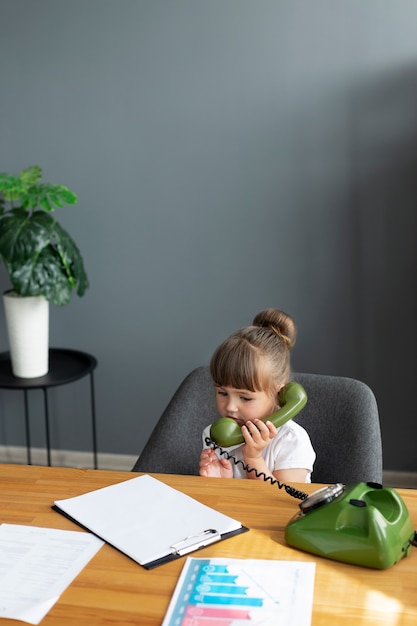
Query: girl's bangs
<point x="236" y="367"/>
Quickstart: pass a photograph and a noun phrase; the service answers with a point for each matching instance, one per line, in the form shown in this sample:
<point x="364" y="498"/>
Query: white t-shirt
<point x="290" y="449"/>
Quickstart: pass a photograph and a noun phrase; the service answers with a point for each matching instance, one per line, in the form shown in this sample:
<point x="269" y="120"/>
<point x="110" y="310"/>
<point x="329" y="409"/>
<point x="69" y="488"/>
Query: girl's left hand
<point x="257" y="435"/>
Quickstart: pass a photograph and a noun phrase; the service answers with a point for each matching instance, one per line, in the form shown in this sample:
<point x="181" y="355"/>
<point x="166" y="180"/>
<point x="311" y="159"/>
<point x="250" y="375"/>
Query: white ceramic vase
<point x="27" y="321"/>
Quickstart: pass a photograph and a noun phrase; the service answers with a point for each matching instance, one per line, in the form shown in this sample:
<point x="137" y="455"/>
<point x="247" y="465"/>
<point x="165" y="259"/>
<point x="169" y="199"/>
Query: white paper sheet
<point x="242" y="591"/>
<point x="36" y="566"/>
<point x="144" y="518"/>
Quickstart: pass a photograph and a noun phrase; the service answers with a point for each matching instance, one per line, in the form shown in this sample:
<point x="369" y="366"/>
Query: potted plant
<point x="43" y="262"/>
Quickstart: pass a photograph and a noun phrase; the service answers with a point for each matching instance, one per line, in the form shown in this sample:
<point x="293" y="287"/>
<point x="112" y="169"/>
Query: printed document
<point x="37" y="565"/>
<point x="219" y="591"/>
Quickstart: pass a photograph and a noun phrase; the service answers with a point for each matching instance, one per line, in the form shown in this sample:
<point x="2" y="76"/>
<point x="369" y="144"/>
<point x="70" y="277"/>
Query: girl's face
<point x="243" y="406"/>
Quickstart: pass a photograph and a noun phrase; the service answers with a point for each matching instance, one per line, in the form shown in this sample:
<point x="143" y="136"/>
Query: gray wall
<point x="228" y="155"/>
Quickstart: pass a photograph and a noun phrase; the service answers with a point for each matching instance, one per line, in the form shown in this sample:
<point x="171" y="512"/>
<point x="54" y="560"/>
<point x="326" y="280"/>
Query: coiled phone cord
<point x="292" y="491"/>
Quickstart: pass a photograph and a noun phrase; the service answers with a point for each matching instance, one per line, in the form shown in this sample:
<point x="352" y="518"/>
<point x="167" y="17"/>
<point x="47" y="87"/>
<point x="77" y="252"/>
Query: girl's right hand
<point x="213" y="467"/>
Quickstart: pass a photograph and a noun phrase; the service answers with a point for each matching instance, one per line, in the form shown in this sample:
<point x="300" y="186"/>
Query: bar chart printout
<point x="242" y="592"/>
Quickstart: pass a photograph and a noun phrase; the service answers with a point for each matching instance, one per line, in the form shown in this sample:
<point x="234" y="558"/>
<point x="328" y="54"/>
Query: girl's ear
<point x="276" y="392"/>
<point x="278" y="389"/>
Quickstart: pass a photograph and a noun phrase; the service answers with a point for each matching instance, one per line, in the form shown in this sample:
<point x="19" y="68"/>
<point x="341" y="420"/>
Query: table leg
<point x="93" y="419"/>
<point x="48" y="444"/>
<point x="28" y="446"/>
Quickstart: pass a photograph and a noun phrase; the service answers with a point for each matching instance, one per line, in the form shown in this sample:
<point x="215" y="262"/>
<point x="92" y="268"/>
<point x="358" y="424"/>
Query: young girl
<point x="248" y="370"/>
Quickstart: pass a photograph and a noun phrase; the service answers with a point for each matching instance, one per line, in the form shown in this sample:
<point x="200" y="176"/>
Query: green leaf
<point x="31" y="175"/>
<point x="22" y="236"/>
<point x="47" y="195"/>
<point x="45" y="276"/>
<point x="44" y="202"/>
<point x="56" y="200"/>
<point x="66" y="196"/>
<point x="11" y="187"/>
<point x="72" y="260"/>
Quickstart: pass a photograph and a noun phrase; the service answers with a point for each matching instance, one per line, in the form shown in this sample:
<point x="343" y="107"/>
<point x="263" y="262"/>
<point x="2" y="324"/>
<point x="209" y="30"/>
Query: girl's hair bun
<point x="279" y="323"/>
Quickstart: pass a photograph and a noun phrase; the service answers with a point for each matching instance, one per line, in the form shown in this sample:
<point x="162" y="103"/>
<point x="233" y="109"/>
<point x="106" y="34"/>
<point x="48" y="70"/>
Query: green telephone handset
<point x="292" y="398"/>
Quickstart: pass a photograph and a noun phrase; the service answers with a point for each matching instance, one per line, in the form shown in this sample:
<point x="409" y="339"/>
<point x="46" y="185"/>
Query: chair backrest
<point x="341" y="417"/>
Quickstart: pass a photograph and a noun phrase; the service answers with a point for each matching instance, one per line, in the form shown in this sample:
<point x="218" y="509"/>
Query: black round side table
<point x="65" y="366"/>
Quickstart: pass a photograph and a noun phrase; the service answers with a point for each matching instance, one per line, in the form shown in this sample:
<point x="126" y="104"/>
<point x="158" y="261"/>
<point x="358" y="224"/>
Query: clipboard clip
<point x="194" y="542"/>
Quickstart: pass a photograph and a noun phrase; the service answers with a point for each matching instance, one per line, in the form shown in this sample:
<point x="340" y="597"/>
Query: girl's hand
<point x="257" y="435"/>
<point x="213" y="467"/>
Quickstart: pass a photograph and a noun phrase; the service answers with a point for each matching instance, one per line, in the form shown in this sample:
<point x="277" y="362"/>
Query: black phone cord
<point x="292" y="491"/>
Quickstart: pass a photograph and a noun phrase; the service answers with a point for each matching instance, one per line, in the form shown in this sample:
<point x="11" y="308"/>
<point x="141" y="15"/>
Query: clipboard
<point x="149" y="521"/>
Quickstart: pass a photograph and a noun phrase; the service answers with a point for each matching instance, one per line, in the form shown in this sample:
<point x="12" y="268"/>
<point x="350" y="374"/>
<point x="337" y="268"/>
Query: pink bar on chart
<point x="228" y="614"/>
<point x="196" y="621"/>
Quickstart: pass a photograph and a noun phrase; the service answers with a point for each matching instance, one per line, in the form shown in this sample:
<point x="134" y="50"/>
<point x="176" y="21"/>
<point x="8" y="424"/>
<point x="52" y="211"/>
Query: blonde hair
<point x="257" y="357"/>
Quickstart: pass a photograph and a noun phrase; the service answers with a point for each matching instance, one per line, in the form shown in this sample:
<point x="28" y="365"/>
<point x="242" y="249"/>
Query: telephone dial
<point x="362" y="524"/>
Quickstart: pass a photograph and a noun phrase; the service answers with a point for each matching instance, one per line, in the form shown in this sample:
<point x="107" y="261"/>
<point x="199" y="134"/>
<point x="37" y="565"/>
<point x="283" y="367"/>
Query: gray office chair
<point x="341" y="417"/>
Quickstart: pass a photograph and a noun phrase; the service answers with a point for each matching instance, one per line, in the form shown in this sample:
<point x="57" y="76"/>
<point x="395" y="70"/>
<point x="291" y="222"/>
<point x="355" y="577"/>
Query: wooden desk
<point x="114" y="590"/>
